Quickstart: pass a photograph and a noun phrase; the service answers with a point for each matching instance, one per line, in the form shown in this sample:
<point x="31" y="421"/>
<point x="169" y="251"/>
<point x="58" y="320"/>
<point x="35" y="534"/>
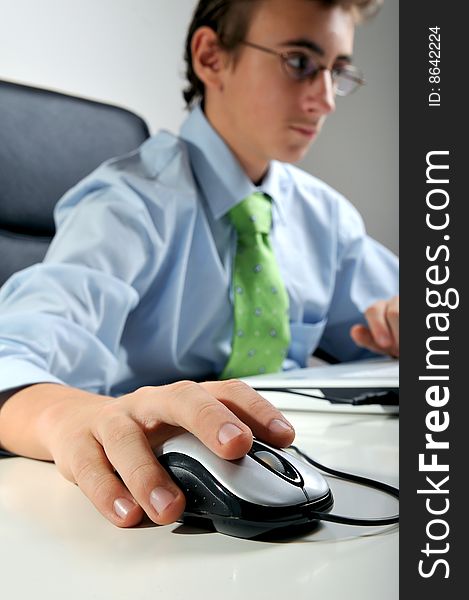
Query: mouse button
<point x="314" y="483"/>
<point x="315" y="486"/>
<point x="183" y="443"/>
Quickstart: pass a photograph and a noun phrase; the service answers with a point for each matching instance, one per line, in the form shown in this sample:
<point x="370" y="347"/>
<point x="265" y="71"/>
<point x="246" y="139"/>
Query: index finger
<point x="223" y="415"/>
<point x="264" y="419"/>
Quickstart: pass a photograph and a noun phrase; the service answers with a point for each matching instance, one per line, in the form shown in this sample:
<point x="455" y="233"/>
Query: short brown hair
<point x="230" y="20"/>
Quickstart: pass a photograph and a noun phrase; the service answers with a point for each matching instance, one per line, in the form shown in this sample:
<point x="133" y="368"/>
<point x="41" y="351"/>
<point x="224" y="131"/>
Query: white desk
<point x="54" y="545"/>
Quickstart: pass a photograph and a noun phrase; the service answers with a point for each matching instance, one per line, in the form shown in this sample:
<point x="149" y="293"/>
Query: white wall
<point x="358" y="150"/>
<point x="129" y="52"/>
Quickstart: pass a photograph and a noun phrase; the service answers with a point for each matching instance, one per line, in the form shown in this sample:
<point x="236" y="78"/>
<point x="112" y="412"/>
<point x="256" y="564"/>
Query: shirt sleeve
<point x="366" y="272"/>
<point x="61" y="321"/>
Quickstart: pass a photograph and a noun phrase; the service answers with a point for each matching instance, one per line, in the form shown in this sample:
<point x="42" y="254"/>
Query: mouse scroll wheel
<point x="271" y="460"/>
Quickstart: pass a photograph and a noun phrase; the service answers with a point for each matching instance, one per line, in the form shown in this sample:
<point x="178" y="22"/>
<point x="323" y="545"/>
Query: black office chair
<point x="48" y="142"/>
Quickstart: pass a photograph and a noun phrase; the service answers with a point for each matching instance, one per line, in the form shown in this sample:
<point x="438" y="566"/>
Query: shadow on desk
<point x="35" y="491"/>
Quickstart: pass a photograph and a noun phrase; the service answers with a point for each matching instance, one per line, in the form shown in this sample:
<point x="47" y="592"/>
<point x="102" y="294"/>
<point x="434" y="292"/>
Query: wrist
<point x="31" y="418"/>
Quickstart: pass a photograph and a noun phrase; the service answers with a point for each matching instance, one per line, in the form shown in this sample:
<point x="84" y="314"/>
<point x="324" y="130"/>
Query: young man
<point x="139" y="287"/>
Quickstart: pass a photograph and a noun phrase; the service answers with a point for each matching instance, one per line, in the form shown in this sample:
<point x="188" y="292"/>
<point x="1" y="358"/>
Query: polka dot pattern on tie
<point x="260" y="299"/>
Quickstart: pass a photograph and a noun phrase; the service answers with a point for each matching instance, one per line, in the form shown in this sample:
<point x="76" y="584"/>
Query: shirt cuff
<point x="18" y="373"/>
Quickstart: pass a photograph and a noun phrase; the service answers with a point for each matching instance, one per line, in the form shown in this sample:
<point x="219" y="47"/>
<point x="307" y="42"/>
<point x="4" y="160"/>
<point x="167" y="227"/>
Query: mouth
<point x="306" y="131"/>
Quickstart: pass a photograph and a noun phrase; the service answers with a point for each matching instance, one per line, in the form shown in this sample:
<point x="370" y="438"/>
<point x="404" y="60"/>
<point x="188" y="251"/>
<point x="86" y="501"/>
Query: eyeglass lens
<point x="301" y="66"/>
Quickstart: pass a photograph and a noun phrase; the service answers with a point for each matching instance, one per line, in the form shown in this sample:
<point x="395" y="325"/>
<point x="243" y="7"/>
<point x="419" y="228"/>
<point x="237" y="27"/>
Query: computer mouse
<point x="266" y="490"/>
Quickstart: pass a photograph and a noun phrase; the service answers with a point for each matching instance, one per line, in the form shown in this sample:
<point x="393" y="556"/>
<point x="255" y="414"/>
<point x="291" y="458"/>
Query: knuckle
<point x="191" y="395"/>
<point x="244" y="393"/>
<point x="140" y="473"/>
<point x="373" y="311"/>
<point x="259" y="405"/>
<point x="83" y="471"/>
<point x="119" y="432"/>
<point x="237" y="387"/>
<point x="71" y="458"/>
<point x="185" y="387"/>
<point x="203" y="411"/>
<point x="103" y="488"/>
<point x="377" y="308"/>
<point x="95" y="480"/>
<point x="144" y="391"/>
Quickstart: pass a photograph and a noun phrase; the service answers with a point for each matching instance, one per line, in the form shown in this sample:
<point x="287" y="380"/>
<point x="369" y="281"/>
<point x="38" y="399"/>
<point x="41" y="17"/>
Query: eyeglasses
<point x="299" y="65"/>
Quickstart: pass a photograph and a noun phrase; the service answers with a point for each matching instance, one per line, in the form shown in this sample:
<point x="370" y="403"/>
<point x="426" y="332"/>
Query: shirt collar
<point x="218" y="172"/>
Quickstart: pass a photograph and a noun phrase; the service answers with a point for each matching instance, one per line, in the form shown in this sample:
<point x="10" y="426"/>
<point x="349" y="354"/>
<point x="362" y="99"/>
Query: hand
<point x="382" y="333"/>
<point x="105" y="445"/>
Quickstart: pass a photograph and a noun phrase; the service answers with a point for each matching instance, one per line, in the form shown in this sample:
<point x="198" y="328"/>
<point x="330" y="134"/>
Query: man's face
<point x="261" y="112"/>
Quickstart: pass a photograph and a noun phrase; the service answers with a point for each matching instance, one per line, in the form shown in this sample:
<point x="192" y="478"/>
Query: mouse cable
<point x="361" y="400"/>
<point x="379" y="485"/>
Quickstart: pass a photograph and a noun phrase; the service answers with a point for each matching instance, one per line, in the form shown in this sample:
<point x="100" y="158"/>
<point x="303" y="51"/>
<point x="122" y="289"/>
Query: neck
<point x="256" y="170"/>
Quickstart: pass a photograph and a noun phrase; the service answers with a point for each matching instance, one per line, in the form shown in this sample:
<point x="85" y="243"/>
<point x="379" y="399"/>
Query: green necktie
<point x="261" y="333"/>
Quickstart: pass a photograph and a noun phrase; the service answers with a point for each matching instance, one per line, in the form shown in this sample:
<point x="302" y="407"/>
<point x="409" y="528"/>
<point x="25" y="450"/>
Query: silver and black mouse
<point x="266" y="490"/>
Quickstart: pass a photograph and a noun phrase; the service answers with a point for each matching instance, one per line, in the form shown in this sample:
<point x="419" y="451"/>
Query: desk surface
<point x="55" y="545"/>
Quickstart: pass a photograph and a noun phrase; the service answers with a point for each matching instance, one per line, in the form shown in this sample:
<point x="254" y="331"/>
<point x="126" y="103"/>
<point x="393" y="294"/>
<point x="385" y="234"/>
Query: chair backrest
<point x="48" y="142"/>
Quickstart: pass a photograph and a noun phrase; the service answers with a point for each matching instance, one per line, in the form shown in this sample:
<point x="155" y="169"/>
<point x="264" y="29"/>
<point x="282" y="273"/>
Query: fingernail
<point x="228" y="432"/>
<point x="279" y="426"/>
<point x="122" y="507"/>
<point x="161" y="498"/>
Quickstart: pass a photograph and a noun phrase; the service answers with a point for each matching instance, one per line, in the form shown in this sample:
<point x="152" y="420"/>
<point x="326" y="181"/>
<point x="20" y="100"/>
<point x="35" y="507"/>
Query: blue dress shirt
<point x="135" y="288"/>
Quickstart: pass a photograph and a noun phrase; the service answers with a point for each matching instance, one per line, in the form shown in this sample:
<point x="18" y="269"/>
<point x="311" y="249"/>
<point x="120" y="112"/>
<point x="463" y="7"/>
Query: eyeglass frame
<point x="356" y="75"/>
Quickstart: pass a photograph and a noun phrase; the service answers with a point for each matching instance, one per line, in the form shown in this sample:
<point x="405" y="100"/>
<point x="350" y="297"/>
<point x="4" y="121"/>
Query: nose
<point x="320" y="93"/>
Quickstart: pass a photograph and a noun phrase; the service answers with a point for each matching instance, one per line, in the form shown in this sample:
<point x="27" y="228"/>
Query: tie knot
<point x="252" y="215"/>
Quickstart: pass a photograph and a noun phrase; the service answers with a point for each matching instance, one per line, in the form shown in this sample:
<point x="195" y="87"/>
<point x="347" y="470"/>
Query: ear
<point x="208" y="58"/>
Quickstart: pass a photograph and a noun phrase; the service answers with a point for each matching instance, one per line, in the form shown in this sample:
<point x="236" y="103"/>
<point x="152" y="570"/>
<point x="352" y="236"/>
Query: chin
<point x="292" y="155"/>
